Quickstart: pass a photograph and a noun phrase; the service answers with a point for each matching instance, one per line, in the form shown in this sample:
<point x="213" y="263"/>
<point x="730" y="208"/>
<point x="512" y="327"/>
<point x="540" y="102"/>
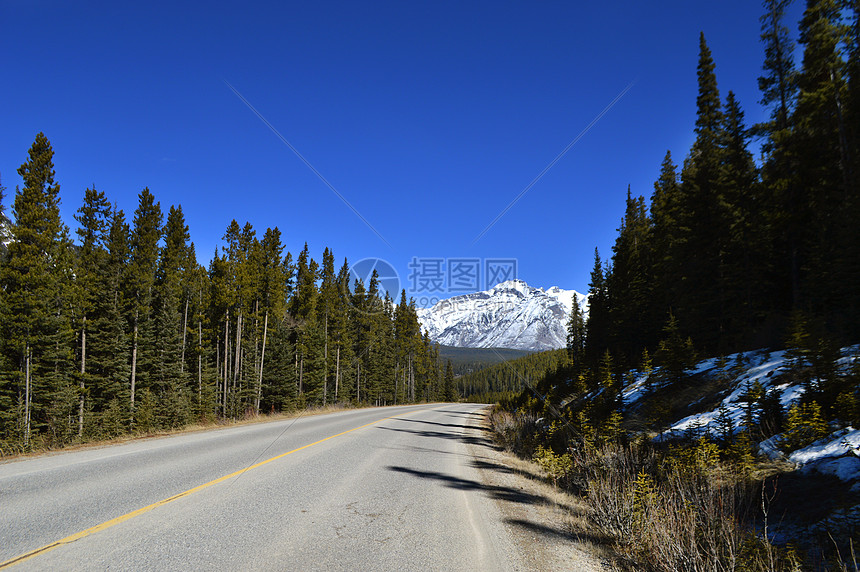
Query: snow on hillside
<point x="837" y="454"/>
<point x="510" y="315"/>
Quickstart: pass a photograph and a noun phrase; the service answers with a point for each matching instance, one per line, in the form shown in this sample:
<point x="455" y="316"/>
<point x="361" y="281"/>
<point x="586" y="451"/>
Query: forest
<point x="124" y="331"/>
<point x="731" y="253"/>
<point x="733" y="250"/>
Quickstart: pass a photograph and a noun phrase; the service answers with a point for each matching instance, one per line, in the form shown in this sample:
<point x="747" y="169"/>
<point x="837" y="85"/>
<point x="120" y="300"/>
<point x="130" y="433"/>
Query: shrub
<point x="557" y="467"/>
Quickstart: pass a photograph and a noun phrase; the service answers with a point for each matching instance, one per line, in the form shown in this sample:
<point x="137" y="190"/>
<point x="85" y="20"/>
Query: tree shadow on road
<point x="432" y="423"/>
<point x="481" y="441"/>
<point x="495" y="492"/>
<point x="554" y="532"/>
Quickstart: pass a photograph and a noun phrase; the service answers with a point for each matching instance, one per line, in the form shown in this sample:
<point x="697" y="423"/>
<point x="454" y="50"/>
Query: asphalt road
<point x="371" y="489"/>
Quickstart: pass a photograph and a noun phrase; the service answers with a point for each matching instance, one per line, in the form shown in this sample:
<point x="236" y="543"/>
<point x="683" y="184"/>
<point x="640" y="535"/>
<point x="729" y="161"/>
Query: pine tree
<point x="745" y="254"/>
<point x="668" y="241"/>
<point x="629" y="284"/>
<point x="108" y="341"/>
<point x="820" y="141"/>
<point x="576" y="334"/>
<point x="698" y="301"/>
<point x="169" y="380"/>
<point x="139" y="282"/>
<point x="326" y="307"/>
<point x="778" y="84"/>
<point x="675" y="354"/>
<point x="449" y="392"/>
<point x="804" y="426"/>
<point x="598" y="326"/>
<point x="273" y="296"/>
<point x="91" y="282"/>
<point x="345" y="361"/>
<point x="37" y="339"/>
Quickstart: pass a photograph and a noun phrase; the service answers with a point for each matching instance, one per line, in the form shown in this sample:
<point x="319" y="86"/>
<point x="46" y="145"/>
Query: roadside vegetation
<point x="692" y="487"/>
<point x="747" y="461"/>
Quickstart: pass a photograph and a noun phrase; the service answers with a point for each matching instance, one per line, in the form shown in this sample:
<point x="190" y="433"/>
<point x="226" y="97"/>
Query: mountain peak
<point x="512" y="315"/>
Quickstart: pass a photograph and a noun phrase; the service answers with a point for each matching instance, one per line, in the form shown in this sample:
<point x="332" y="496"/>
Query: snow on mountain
<point x="511" y="315"/>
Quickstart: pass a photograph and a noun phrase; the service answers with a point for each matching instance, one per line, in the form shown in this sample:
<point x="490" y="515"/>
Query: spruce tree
<point x="823" y="158"/>
<point x="698" y="301"/>
<point x="629" y="284"/>
<point x="667" y="242"/>
<point x="94" y="218"/>
<point x="746" y="250"/>
<point x="37" y="338"/>
<point x="169" y="380"/>
<point x="598" y="326"/>
<point x="139" y="282"/>
<point x="449" y="391"/>
<point x="576" y="334"/>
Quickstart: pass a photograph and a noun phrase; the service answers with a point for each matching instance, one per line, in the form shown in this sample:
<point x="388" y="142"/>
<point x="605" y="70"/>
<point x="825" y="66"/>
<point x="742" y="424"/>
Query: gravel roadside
<point x="547" y="526"/>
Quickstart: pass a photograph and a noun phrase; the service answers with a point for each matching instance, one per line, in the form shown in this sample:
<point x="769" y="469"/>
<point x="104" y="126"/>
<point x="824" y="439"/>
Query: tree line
<point x="124" y="331"/>
<point x="731" y="251"/>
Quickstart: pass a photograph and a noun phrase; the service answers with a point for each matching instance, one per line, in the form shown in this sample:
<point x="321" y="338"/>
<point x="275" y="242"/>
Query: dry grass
<point x="660" y="513"/>
<point x="219" y="423"/>
<point x="557" y="532"/>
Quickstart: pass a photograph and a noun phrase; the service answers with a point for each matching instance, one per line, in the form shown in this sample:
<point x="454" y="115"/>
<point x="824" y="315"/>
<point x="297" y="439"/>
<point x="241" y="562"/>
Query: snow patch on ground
<point x="747" y="368"/>
<point x="837" y="454"/>
<point x="744" y="369"/>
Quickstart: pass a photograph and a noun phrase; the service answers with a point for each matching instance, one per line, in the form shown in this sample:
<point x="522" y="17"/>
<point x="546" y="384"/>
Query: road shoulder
<point x="547" y="526"/>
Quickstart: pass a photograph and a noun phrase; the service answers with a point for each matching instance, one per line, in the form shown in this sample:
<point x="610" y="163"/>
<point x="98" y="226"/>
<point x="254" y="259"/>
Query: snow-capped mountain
<point x="511" y="315"/>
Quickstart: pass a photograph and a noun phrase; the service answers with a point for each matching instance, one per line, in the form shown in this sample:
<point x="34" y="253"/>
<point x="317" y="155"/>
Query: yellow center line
<point x="120" y="519"/>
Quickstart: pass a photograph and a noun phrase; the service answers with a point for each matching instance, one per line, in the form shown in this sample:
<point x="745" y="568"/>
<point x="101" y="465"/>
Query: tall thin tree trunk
<point x="336" y="373"/>
<point x="236" y="363"/>
<point x="200" y="362"/>
<point x="27" y="395"/>
<point x="133" y="366"/>
<point x="411" y="376"/>
<point x="301" y="372"/>
<point x="262" y="360"/>
<point x="226" y="363"/>
<point x="325" y="361"/>
<point x="844" y="149"/>
<point x="256" y="349"/>
<point x="358" y="382"/>
<point x="83" y="372"/>
<point x="184" y="333"/>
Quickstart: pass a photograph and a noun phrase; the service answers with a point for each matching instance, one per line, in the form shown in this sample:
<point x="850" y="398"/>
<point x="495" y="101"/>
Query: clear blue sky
<point x="429" y="117"/>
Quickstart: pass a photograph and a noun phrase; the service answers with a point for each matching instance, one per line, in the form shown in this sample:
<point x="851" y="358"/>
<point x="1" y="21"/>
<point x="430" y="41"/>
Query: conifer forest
<point x="115" y="327"/>
<point x="733" y="250"/>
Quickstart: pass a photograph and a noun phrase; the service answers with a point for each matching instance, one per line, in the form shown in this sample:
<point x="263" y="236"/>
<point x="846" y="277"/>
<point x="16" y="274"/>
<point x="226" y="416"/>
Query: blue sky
<point x="428" y="117"/>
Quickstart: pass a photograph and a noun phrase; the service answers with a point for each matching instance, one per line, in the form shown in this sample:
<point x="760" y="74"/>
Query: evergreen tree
<point x="675" y="354"/>
<point x="449" y="393"/>
<point x="170" y="322"/>
<point x="698" y="301"/>
<point x="629" y="284"/>
<point x="597" y="329"/>
<point x="778" y="83"/>
<point x="823" y="158"/>
<point x="746" y="253"/>
<point x="668" y="240"/>
<point x="107" y="339"/>
<point x="37" y="338"/>
<point x="576" y="334"/>
<point x="139" y="282"/>
<point x="94" y="218"/>
<point x="326" y="307"/>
